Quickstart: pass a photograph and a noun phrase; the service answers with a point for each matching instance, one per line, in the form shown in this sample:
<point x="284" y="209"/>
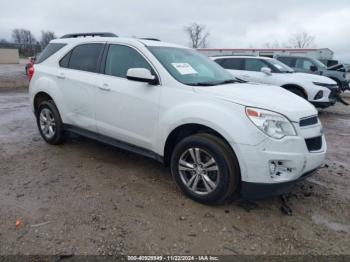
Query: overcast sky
<point x="232" y="24"/>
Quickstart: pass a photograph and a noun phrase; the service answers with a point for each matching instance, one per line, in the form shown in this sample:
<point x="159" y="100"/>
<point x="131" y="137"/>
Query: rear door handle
<point x="61" y="76"/>
<point x="104" y="87"/>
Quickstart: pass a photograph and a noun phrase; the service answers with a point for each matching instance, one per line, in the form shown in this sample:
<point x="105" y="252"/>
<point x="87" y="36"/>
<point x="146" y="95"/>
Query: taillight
<point x="31" y="72"/>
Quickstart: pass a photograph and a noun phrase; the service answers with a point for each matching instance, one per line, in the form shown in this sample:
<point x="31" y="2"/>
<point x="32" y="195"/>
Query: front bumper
<point x="261" y="190"/>
<point x="273" y="165"/>
<point x="331" y="102"/>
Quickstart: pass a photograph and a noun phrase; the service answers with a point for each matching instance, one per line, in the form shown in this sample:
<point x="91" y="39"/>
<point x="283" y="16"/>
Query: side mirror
<point x="141" y="75"/>
<point x="266" y="70"/>
<point x="313" y="68"/>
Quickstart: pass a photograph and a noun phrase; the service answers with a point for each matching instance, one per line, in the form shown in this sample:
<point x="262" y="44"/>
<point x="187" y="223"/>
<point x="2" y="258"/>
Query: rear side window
<point x="49" y="50"/>
<point x="121" y="58"/>
<point x="84" y="57"/>
<point x="231" y="63"/>
<point x="289" y="61"/>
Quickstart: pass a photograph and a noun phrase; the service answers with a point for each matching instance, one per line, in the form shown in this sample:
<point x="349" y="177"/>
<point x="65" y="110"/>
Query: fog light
<point x="319" y="95"/>
<point x="280" y="170"/>
<point x="272" y="168"/>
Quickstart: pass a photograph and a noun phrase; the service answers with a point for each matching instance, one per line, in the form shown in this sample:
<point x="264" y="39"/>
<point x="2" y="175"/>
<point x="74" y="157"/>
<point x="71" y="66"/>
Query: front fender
<point x="228" y="120"/>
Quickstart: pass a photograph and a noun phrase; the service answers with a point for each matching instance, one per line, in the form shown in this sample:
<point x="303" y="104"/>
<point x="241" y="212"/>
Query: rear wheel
<point x="205" y="168"/>
<point x="49" y="123"/>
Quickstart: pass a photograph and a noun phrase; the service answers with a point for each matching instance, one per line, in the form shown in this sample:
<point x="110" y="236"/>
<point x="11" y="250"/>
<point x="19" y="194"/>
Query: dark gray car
<point x="339" y="73"/>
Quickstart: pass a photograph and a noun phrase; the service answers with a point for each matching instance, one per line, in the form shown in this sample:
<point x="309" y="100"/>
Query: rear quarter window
<point x="49" y="50"/>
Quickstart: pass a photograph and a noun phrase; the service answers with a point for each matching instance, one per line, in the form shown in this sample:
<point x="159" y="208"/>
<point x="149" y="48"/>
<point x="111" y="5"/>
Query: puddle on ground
<point x="321" y="220"/>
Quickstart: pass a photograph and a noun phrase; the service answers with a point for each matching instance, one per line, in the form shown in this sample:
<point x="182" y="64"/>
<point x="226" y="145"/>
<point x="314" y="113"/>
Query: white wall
<point x="9" y="56"/>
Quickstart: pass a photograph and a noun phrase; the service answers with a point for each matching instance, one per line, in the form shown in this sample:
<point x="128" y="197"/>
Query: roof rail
<point x="89" y="34"/>
<point x="151" y="39"/>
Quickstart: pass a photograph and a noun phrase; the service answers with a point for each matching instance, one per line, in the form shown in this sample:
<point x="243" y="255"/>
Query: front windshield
<point x="191" y="68"/>
<point x="319" y="64"/>
<point x="280" y="67"/>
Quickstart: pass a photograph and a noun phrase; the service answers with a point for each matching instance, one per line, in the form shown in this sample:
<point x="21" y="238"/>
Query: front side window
<point x="121" y="58"/>
<point x="289" y="61"/>
<point x="252" y="64"/>
<point x="84" y="57"/>
<point x="304" y="64"/>
<point x="279" y="67"/>
<point x="189" y="67"/>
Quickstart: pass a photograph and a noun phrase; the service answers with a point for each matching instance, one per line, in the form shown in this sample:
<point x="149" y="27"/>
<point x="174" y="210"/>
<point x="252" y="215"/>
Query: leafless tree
<point x="3" y="41"/>
<point x="302" y="40"/>
<point x="198" y="35"/>
<point x="46" y="37"/>
<point x="274" y="44"/>
<point x="26" y="41"/>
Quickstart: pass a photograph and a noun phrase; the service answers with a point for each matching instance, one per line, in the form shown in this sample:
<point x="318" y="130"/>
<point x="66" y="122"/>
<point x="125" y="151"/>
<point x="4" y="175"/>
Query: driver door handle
<point x="105" y="87"/>
<point x="61" y="76"/>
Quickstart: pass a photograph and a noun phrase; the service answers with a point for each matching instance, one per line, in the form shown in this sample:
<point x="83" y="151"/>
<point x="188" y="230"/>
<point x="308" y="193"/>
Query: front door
<point x="126" y="110"/>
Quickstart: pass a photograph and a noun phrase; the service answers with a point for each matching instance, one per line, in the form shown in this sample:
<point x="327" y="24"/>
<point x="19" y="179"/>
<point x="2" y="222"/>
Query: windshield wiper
<point x="203" y="84"/>
<point x="229" y="81"/>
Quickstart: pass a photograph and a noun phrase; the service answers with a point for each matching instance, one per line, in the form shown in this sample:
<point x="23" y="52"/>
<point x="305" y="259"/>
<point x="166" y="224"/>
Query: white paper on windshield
<point x="184" y="68"/>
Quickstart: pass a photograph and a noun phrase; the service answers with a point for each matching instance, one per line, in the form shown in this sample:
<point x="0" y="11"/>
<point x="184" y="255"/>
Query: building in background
<point x="9" y="55"/>
<point x="322" y="54"/>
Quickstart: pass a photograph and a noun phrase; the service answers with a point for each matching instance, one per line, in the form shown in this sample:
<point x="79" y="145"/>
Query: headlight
<point x="325" y="85"/>
<point x="347" y="76"/>
<point x="272" y="124"/>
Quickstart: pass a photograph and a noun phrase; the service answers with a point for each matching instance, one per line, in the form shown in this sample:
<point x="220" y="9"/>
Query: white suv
<point x="321" y="91"/>
<point x="172" y="104"/>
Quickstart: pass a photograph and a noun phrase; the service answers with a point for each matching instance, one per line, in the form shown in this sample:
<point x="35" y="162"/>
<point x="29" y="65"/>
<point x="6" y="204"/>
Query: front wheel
<point x="205" y="168"/>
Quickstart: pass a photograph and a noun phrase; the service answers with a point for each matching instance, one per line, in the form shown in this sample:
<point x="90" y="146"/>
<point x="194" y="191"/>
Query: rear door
<point x="126" y="110"/>
<point x="77" y="79"/>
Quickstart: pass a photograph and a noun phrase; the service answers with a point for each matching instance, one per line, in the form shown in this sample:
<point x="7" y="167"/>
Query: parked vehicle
<point x="170" y="103"/>
<point x="339" y="73"/>
<point x="318" y="90"/>
<point x="31" y="61"/>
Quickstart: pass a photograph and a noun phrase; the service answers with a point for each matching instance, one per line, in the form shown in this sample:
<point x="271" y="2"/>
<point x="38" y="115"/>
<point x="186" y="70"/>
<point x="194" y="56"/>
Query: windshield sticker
<point x="184" y="68"/>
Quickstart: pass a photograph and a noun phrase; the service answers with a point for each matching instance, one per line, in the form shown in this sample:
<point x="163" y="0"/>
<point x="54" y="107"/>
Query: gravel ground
<point x="84" y="197"/>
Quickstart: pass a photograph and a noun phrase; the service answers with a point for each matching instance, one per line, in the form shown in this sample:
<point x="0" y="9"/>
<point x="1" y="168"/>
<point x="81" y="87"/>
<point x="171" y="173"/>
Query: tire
<point x="297" y="91"/>
<point x="49" y="123"/>
<point x="223" y="173"/>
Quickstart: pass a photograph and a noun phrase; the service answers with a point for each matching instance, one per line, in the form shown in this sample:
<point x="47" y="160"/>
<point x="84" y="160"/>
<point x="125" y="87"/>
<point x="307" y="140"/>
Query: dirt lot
<point x="85" y="197"/>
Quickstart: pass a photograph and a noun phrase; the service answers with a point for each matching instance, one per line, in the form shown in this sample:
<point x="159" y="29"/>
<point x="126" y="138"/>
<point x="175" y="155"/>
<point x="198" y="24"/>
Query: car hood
<point x="268" y="97"/>
<point x="308" y="77"/>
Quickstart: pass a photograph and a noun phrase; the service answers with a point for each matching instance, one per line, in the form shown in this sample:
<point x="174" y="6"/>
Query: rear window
<point x="84" y="57"/>
<point x="49" y="50"/>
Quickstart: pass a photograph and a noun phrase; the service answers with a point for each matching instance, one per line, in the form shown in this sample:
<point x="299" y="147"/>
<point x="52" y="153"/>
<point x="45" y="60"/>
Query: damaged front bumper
<point x="263" y="190"/>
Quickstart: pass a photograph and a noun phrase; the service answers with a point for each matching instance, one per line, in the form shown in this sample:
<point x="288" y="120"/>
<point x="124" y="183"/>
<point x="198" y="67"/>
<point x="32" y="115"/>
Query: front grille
<point x="314" y="144"/>
<point x="334" y="93"/>
<point x="308" y="121"/>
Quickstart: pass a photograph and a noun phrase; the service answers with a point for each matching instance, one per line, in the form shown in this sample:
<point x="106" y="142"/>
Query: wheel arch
<point x="39" y="98"/>
<point x="185" y="130"/>
<point x="290" y="86"/>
